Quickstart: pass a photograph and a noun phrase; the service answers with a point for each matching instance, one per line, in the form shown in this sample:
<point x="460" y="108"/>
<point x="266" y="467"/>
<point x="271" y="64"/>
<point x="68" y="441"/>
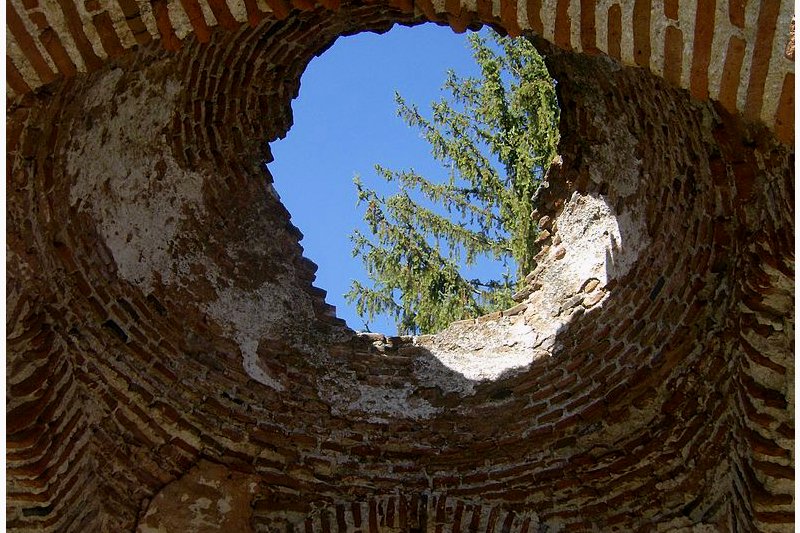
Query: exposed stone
<point x="380" y="346"/>
<point x="489" y="317"/>
<point x="517" y="309"/>
<point x="543" y="253"/>
<point x="533" y="274"/>
<point x="573" y="301"/>
<point x="544" y="222"/>
<point x="543" y="236"/>
<point x="370" y="336"/>
<point x="477" y="352"/>
<point x="591" y="285"/>
<point x="593" y="298"/>
<point x="521" y="294"/>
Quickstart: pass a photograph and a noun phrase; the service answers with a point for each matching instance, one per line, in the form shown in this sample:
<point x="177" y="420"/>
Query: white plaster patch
<point x="469" y="5"/>
<point x="591" y="236"/>
<point x="126" y="178"/>
<point x="548" y="18"/>
<point x="394" y="402"/>
<point x="574" y="10"/>
<point x="522" y="15"/>
<point x="626" y="37"/>
<point x="432" y="372"/>
<point x="723" y="31"/>
<point x="120" y="23"/>
<point x="253" y="315"/>
<point x="615" y="163"/>
<point x="601" y="24"/>
<point x="633" y="241"/>
<point x="381" y="403"/>
<point x="237" y="9"/>
<point x="208" y="15"/>
<point x="599" y="244"/>
<point x="181" y="24"/>
<point x="658" y="27"/>
<point x="471" y="353"/>
<point x="719" y="48"/>
<point x="200" y="504"/>
<point x="200" y="517"/>
<point x="263" y="6"/>
<point x="214" y="483"/>
<point x="687" y="13"/>
<point x="146" y="12"/>
<point x="224" y="505"/>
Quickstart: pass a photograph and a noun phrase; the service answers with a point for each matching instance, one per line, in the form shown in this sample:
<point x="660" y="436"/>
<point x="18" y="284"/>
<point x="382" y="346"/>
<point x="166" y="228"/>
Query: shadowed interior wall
<point x="171" y="366"/>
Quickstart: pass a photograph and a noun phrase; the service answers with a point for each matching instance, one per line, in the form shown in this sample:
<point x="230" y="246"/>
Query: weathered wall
<point x="169" y="360"/>
<point x="739" y="52"/>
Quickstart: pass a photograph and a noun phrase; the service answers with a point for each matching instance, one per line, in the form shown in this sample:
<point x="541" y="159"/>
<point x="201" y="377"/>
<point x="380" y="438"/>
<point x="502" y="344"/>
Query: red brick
<point x="703" y="34"/>
<point x="563" y="25"/>
<point x="223" y="15"/>
<point x="460" y="22"/>
<point x="57" y="51"/>
<point x="671" y="9"/>
<point x="736" y="12"/>
<point x="770" y="397"/>
<point x="108" y="35"/>
<point x="641" y="32"/>
<point x="200" y="26"/>
<point x="406" y="6"/>
<point x="534" y="8"/>
<point x="615" y="31"/>
<point x="508" y="16"/>
<point x="731" y="74"/>
<point x="15" y="79"/>
<point x="673" y="55"/>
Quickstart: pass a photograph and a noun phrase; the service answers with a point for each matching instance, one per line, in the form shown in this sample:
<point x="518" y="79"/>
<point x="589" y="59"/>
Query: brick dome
<point x="171" y="365"/>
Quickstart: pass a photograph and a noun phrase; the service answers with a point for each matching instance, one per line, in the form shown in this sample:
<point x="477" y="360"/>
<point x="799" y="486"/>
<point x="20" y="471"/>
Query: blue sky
<point x="344" y="123"/>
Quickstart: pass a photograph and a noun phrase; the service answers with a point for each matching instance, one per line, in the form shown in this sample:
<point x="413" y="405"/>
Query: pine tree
<point x="494" y="135"/>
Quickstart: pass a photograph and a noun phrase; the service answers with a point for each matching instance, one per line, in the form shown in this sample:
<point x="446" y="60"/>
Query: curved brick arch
<point x="165" y="339"/>
<point x="740" y="53"/>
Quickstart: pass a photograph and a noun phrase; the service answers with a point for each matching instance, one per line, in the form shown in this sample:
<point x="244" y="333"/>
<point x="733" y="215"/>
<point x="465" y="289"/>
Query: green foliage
<point x="494" y="135"/>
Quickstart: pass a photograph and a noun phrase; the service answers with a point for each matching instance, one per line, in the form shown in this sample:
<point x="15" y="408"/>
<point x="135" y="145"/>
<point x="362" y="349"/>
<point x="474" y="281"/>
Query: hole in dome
<point x="348" y="111"/>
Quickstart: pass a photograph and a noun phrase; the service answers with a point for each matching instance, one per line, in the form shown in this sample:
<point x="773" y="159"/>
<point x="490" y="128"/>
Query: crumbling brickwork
<point x="170" y="363"/>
